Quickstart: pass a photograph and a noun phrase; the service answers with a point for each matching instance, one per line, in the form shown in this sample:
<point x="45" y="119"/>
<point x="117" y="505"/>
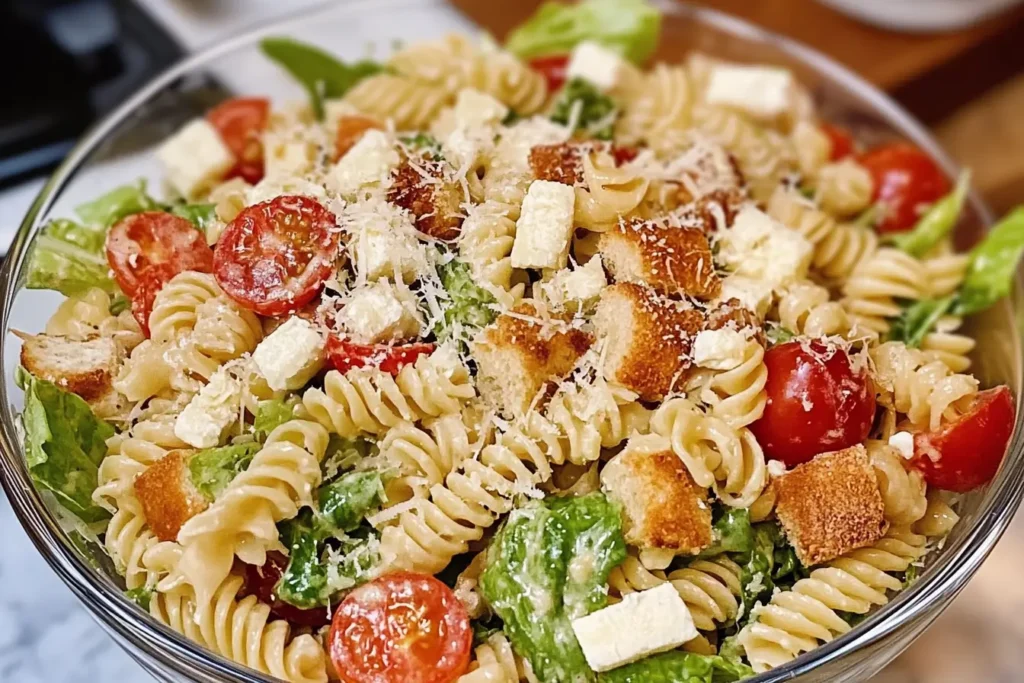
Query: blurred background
<point x="955" y="64"/>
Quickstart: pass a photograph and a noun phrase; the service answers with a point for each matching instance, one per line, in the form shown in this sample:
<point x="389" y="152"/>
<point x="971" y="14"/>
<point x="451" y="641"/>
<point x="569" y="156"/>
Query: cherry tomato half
<point x="240" y="121"/>
<point x="816" y="403"/>
<point x="553" y="68"/>
<point x="400" y="628"/>
<point x="152" y="280"/>
<point x="350" y="130"/>
<point x="966" y="452"/>
<point x="907" y="181"/>
<point x="141" y="241"/>
<point x="274" y="256"/>
<point x="261" y="582"/>
<point x="841" y="139"/>
<point x="345" y="355"/>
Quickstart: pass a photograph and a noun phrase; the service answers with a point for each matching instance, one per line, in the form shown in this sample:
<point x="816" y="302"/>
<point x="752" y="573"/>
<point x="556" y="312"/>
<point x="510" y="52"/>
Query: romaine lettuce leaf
<point x="122" y="201"/>
<point x="69" y="258"/>
<point x="731" y="532"/>
<point x="528" y="583"/>
<point x="596" y="110"/>
<point x="345" y="502"/>
<point x="679" y="667"/>
<point x="630" y="27"/>
<point x="64" y="444"/>
<point x="213" y="469"/>
<point x="937" y="222"/>
<point x="271" y="414"/>
<point x="917" y="320"/>
<point x="141" y="596"/>
<point x="344" y="454"/>
<point x="471" y="306"/>
<point x="993" y="265"/>
<point x="200" y="215"/>
<point x="322" y="75"/>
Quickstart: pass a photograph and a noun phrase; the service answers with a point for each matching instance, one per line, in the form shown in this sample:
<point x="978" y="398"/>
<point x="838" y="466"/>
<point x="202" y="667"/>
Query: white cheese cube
<point x="195" y="158"/>
<point x="582" y="285"/>
<point x="544" y="228"/>
<point x="751" y="294"/>
<point x="719" y="349"/>
<point x="287" y="155"/>
<point x="211" y="412"/>
<point x="290" y="355"/>
<point x="474" y="109"/>
<point x="643" y="624"/>
<point x="595" y="64"/>
<point x="759" y="247"/>
<point x="383" y="241"/>
<point x="764" y="92"/>
<point x="368" y="164"/>
<point x="464" y="148"/>
<point x="377" y="313"/>
<point x="904" y="443"/>
<point x="275" y="186"/>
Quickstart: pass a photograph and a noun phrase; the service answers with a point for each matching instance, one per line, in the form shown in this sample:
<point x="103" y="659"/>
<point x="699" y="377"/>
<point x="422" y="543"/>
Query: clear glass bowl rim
<point x="166" y="648"/>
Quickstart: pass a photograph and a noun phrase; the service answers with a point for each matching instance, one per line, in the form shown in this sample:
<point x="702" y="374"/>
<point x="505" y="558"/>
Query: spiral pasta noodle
<point x="737" y="395"/>
<point x="812" y="148"/>
<point x="938" y="519"/>
<point x="242" y="631"/>
<point x="485" y="243"/>
<point x="495" y="662"/>
<point x="88" y="314"/>
<point x="410" y="104"/>
<point x="611" y="193"/>
<point x="129" y="454"/>
<point x="126" y="540"/>
<point x="795" y="621"/>
<point x="903" y="491"/>
<point x="871" y="292"/>
<point x="447" y="64"/>
<point x="844" y="188"/>
<point x="806" y="309"/>
<point x="512" y="83"/>
<point x="658" y="111"/>
<point x="424" y="457"/>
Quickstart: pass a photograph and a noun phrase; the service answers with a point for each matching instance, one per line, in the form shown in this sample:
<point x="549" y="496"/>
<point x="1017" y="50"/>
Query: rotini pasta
<point x="735" y="395"/>
<point x="610" y="194"/>
<point x="805" y="309"/>
<point x="88" y="314"/>
<point x="494" y="661"/>
<point x="903" y="491"/>
<point x="877" y="282"/>
<point x="657" y="111"/>
<point x="844" y="188"/>
<point x="486" y="245"/>
<point x="410" y="104"/>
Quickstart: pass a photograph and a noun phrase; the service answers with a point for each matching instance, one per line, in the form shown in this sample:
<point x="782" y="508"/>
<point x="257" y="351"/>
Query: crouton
<point x="662" y="507"/>
<point x="561" y="163"/>
<point x="717" y="209"/>
<point x="671" y="260"/>
<point x="831" y="505"/>
<point x="710" y="167"/>
<point x="168" y="496"/>
<point x="422" y="187"/>
<point x="646" y="339"/>
<point x="350" y="129"/>
<point x="86" y="367"/>
<point x="734" y="315"/>
<point x="524" y="352"/>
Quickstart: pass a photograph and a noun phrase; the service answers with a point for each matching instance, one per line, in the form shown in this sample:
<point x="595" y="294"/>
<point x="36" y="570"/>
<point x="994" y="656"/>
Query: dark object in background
<point x="65" y="64"/>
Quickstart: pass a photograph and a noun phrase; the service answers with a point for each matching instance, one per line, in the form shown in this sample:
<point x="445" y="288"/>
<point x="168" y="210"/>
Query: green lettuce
<point x="64" y="444"/>
<point x="777" y="334"/>
<point x="213" y="469"/>
<point x="937" y="223"/>
<point x="114" y="205"/>
<point x="141" y="596"/>
<point x="731" y="531"/>
<point x="200" y="215"/>
<point x="346" y="501"/>
<point x="470" y="305"/>
<point x="918" y="319"/>
<point x="69" y="258"/>
<point x="271" y="414"/>
<point x="344" y="454"/>
<point x="323" y="76"/>
<point x="630" y="27"/>
<point x="993" y="266"/>
<point x="424" y="142"/>
<point x="528" y="584"/>
<point x="679" y="667"/>
<point x="596" y="110"/>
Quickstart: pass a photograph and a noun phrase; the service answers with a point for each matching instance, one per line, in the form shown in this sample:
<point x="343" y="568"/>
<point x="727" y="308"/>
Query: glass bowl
<point x="117" y="151"/>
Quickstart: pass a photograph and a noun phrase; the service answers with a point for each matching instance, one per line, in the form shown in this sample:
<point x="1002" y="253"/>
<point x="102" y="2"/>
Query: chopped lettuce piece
<point x="630" y="27"/>
<point x="304" y="581"/>
<point x="777" y="334"/>
<point x="769" y="563"/>
<point x="679" y="667"/>
<point x="344" y="454"/>
<point x="937" y="223"/>
<point x="731" y="531"/>
<point x="345" y="502"/>
<point x="918" y="319"/>
<point x="116" y="204"/>
<point x="200" y="215"/>
<point x="140" y="596"/>
<point x="993" y="265"/>
<point x="271" y="414"/>
<point x="69" y="258"/>
<point x="322" y="75"/>
<point x="587" y="107"/>
<point x="470" y="305"/>
<point x="64" y="444"/>
<point x="528" y="582"/>
<point x="213" y="469"/>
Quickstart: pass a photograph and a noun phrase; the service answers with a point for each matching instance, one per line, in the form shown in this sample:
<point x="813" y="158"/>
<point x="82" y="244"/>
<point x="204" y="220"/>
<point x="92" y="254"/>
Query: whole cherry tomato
<point x="240" y="122"/>
<point x="841" y="139"/>
<point x="907" y="182"/>
<point x="274" y="256"/>
<point x="262" y="581"/>
<point x="345" y="355"/>
<point x="400" y="628"/>
<point x="553" y="68"/>
<point x="965" y="453"/>
<point x="817" y="402"/>
<point x="142" y="241"/>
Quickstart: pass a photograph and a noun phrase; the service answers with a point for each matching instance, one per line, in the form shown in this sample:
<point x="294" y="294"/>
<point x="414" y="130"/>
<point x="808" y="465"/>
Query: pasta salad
<point x="523" y="362"/>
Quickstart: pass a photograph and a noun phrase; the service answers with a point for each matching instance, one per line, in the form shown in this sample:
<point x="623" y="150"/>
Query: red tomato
<point x="623" y="155"/>
<point x="841" y="139"/>
<point x="816" y="403"/>
<point x="553" y="69"/>
<point x="261" y="582"/>
<point x="240" y="121"/>
<point x="274" y="256"/>
<point x="152" y="280"/>
<point x="907" y="181"/>
<point x="400" y="628"/>
<point x="966" y="452"/>
<point x="141" y="241"/>
<point x="345" y="355"/>
<point x="350" y="130"/>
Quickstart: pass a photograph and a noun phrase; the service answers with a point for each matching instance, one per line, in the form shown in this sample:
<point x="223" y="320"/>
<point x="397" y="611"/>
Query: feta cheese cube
<point x="761" y="248"/>
<point x="383" y="242"/>
<point x="211" y="412"/>
<point x="582" y="285"/>
<point x="275" y="186"/>
<point x="644" y="623"/>
<point x="378" y="313"/>
<point x="474" y="109"/>
<point x="595" y="64"/>
<point x="544" y="228"/>
<point x="764" y="92"/>
<point x="287" y="155"/>
<point x="195" y="158"/>
<point x="750" y="293"/>
<point x="904" y="443"/>
<point x="368" y="164"/>
<point x="464" y="148"/>
<point x="289" y="356"/>
<point x="719" y="349"/>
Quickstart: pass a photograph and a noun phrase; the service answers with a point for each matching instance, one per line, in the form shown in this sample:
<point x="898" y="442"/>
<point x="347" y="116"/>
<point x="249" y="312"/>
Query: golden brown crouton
<point x="831" y="505"/>
<point x="422" y="187"/>
<point x="661" y="504"/>
<point x="671" y="260"/>
<point x="717" y="209"/>
<point x="167" y="495"/>
<point x="647" y="339"/>
<point x="351" y="129"/>
<point x="523" y="352"/>
<point x="86" y="368"/>
<point x="561" y="163"/>
<point x="734" y="315"/>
